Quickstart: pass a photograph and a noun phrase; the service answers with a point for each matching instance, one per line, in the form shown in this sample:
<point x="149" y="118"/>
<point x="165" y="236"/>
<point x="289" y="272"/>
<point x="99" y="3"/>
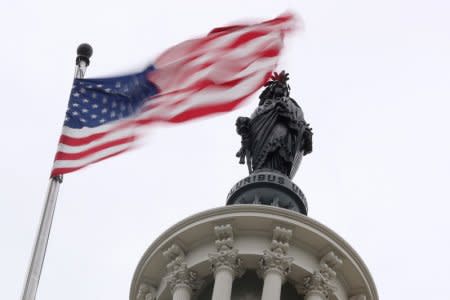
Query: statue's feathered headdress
<point x="283" y="77"/>
<point x="277" y="80"/>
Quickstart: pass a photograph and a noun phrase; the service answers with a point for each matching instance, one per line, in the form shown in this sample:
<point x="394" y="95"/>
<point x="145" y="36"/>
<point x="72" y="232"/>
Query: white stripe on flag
<point x="92" y="158"/>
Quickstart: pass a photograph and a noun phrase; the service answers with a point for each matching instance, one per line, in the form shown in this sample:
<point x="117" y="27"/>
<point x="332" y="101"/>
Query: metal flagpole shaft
<point x="84" y="52"/>
<point x="40" y="245"/>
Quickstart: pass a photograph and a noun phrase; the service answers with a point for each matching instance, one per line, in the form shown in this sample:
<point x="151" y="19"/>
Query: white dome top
<point x="312" y="252"/>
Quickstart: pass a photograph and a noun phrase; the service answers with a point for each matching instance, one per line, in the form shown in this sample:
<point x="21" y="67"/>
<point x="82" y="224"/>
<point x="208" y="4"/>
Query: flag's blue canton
<point x="94" y="102"/>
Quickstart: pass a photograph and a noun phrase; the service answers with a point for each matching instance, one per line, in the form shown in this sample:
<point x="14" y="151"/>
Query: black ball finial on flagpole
<point x="84" y="52"/>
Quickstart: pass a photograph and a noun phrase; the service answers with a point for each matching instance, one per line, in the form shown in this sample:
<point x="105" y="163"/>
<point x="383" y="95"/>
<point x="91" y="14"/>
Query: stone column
<point x="181" y="292"/>
<point x="181" y="280"/>
<point x="319" y="285"/>
<point x="273" y="280"/>
<point x="223" y="282"/>
<point x="275" y="264"/>
<point x="225" y="263"/>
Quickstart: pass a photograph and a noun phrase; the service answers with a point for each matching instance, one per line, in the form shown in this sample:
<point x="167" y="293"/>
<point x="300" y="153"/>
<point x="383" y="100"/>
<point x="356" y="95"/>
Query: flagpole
<point x="84" y="52"/>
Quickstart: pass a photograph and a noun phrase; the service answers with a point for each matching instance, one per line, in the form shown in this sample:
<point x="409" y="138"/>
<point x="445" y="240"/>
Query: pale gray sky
<point x="371" y="76"/>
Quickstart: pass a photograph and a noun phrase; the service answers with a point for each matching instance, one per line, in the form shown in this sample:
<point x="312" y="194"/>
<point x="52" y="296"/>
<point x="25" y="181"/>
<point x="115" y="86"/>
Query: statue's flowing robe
<point x="276" y="128"/>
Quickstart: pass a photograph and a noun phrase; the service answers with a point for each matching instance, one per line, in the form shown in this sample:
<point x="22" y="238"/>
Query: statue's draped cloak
<point x="276" y="129"/>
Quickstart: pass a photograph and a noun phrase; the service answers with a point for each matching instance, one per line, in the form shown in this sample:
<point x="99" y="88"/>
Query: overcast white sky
<point x="371" y="76"/>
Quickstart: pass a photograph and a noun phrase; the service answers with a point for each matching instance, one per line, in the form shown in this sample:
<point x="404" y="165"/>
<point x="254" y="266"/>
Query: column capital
<point x="316" y="284"/>
<point x="276" y="259"/>
<point x="179" y="275"/>
<point x="226" y="256"/>
<point x="146" y="292"/>
<point x="273" y="261"/>
<point x="183" y="277"/>
<point x="227" y="259"/>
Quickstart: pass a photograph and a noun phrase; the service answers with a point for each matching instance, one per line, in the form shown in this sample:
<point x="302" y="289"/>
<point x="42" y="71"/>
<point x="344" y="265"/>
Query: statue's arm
<point x="243" y="129"/>
<point x="307" y="139"/>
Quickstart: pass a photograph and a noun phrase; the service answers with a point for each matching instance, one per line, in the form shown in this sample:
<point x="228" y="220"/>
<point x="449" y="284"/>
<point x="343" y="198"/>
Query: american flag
<point x="198" y="77"/>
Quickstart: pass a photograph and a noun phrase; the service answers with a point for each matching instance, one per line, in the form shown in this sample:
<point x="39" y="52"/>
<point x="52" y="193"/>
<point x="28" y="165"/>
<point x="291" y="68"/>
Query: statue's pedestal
<point x="268" y="188"/>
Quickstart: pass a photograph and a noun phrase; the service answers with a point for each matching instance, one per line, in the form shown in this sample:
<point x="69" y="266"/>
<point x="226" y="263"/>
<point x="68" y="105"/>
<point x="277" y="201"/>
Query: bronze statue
<point x="276" y="135"/>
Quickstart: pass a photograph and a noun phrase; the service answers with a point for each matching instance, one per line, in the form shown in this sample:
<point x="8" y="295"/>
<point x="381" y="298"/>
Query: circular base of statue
<point x="268" y="188"/>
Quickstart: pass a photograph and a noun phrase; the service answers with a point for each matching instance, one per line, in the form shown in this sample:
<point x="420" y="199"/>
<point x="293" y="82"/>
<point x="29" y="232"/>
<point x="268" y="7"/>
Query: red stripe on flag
<point x="78" y="155"/>
<point x="71" y="141"/>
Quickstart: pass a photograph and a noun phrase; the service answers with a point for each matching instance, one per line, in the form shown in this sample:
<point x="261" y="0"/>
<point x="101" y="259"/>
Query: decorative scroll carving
<point x="146" y="292"/>
<point x="276" y="258"/>
<point x="226" y="255"/>
<point x="178" y="272"/>
<point x="321" y="280"/>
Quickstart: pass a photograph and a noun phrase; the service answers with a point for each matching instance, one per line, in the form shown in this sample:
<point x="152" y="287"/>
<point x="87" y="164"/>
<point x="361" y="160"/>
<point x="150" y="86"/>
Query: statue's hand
<point x="241" y="155"/>
<point x="242" y="125"/>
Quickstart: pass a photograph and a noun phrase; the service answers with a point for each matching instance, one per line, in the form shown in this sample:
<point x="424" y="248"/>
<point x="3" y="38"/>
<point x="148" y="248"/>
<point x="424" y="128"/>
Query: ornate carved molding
<point x="321" y="281"/>
<point x="176" y="257"/>
<point x="146" y="292"/>
<point x="280" y="240"/>
<point x="226" y="256"/>
<point x="276" y="258"/>
<point x="178" y="272"/>
<point x="225" y="237"/>
<point x="328" y="264"/>
<point x="358" y="297"/>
